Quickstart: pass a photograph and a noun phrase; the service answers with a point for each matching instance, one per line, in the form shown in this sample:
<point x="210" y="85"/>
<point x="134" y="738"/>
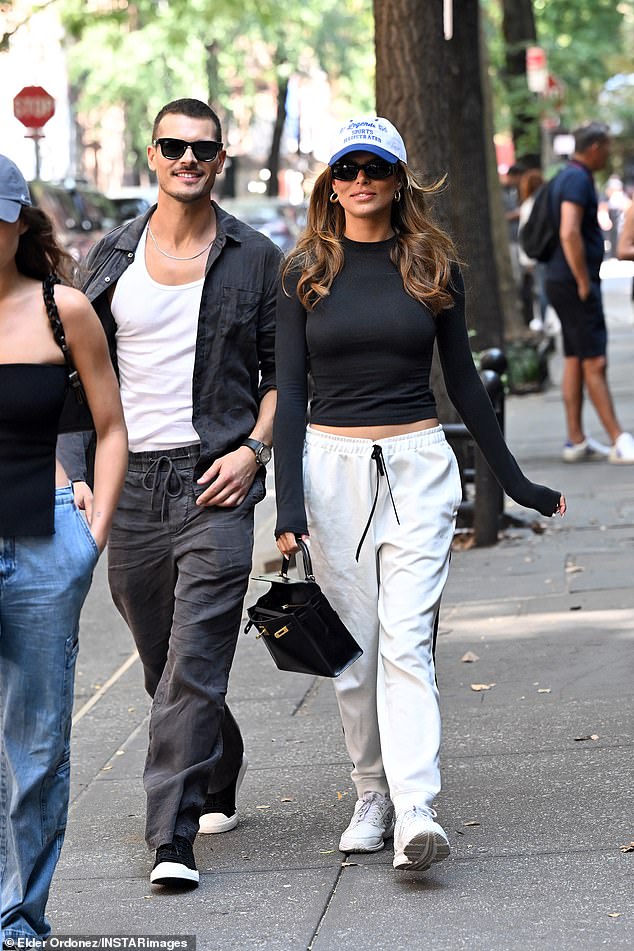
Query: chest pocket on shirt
<point x="239" y="310"/>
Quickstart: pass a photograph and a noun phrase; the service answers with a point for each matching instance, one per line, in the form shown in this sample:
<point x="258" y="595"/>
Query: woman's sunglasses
<point x="375" y="170"/>
<point x="172" y="149"/>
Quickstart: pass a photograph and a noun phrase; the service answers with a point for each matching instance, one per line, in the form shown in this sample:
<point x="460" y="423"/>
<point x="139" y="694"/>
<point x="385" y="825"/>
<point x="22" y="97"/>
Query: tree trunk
<point x="411" y="84"/>
<point x="471" y="150"/>
<point x="518" y="27"/>
<point x="273" y="185"/>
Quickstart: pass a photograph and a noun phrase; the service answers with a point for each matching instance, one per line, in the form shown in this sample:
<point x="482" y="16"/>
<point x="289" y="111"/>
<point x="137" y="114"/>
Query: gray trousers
<point x="178" y="574"/>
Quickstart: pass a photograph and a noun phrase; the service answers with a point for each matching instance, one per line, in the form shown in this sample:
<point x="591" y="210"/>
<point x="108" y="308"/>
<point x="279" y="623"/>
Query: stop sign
<point x="33" y="106"/>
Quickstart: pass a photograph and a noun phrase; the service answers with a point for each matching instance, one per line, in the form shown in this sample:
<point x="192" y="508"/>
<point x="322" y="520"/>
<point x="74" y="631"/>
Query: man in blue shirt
<point x="573" y="286"/>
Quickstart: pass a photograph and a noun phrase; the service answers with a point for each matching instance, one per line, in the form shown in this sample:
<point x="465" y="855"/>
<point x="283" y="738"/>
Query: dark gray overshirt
<point x="234" y="364"/>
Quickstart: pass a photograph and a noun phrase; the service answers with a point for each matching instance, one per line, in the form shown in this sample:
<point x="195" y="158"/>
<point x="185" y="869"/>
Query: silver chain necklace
<point x="175" y="257"/>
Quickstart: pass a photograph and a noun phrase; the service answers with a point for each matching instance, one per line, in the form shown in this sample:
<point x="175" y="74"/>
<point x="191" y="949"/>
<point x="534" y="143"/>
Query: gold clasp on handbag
<point x="282" y="631"/>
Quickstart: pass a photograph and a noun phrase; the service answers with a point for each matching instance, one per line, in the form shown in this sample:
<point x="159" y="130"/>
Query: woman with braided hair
<point x="372" y="283"/>
<point x="50" y="339"/>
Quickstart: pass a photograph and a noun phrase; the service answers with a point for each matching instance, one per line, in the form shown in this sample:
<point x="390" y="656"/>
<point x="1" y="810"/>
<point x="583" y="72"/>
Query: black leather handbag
<point x="301" y="630"/>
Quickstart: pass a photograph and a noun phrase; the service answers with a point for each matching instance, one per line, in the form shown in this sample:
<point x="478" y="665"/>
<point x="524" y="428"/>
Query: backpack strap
<point x="48" y="287"/>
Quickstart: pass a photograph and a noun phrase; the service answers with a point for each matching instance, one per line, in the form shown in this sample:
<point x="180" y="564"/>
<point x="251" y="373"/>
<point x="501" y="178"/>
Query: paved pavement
<point x="538" y="768"/>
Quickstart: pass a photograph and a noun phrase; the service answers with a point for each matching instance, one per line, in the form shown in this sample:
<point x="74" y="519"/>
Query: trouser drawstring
<point x="381" y="470"/>
<point x="171" y="475"/>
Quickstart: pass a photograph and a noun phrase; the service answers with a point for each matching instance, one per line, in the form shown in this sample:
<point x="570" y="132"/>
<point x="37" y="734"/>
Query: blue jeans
<point x="43" y="583"/>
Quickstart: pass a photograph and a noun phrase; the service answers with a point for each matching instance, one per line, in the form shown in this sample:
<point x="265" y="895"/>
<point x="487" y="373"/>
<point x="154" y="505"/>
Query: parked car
<point x="81" y="214"/>
<point x="133" y="200"/>
<point x="277" y="219"/>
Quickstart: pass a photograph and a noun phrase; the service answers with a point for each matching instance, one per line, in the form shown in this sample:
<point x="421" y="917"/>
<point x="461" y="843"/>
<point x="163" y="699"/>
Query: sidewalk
<point x="538" y="768"/>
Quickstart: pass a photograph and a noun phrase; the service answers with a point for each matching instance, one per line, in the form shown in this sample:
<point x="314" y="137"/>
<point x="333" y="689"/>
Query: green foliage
<point x="142" y="56"/>
<point x="586" y="42"/>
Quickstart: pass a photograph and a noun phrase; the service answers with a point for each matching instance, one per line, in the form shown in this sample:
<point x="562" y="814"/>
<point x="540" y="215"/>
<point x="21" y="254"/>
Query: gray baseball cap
<point x="14" y="192"/>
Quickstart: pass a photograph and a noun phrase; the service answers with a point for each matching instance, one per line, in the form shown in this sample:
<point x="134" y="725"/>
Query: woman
<point x="533" y="272"/>
<point x="47" y="550"/>
<point x="370" y="285"/>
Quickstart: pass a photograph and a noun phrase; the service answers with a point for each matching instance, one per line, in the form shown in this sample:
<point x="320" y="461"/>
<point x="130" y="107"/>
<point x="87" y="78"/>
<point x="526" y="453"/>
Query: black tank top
<point x="31" y="400"/>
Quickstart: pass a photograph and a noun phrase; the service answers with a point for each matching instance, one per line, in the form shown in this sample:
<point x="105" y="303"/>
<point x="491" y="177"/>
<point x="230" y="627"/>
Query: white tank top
<point x="156" y="343"/>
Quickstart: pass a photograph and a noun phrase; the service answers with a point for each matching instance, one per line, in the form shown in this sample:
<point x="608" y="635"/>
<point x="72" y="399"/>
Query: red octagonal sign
<point x="33" y="106"/>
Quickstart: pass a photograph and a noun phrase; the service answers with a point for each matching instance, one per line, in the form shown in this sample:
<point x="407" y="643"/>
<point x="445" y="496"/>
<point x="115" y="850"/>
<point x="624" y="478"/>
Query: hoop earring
<point x="334" y="198"/>
<point x="397" y="195"/>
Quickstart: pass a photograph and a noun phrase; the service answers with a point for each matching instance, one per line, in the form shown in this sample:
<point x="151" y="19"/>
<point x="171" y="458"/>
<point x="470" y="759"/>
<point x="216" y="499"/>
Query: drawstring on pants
<point x="171" y="475"/>
<point x="381" y="470"/>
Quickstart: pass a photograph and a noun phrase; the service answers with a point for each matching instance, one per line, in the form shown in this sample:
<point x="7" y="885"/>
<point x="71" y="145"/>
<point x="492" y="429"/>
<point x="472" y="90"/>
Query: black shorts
<point x="583" y="327"/>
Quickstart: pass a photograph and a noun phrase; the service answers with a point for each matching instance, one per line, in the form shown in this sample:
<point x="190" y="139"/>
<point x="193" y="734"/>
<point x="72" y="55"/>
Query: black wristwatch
<point x="262" y="451"/>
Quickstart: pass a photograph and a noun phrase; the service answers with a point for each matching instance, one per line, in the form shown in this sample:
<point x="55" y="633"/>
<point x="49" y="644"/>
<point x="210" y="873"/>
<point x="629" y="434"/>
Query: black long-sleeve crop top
<point x="368" y="348"/>
<point x="31" y="400"/>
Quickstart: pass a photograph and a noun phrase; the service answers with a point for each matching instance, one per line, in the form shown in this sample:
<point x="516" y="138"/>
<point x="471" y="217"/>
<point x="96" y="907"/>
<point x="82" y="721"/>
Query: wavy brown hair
<point x="39" y="252"/>
<point x="423" y="253"/>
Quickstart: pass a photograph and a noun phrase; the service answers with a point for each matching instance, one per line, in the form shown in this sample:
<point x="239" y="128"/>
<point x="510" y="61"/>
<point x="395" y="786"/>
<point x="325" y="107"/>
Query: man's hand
<point x="231" y="477"/>
<point x="583" y="288"/>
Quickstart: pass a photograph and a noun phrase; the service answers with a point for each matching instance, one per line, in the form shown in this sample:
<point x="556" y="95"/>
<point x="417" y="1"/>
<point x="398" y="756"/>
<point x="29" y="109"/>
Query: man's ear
<point x="151" y="157"/>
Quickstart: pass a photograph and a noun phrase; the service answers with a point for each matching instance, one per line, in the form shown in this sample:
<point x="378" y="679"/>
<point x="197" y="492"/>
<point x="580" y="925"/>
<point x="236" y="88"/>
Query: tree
<point x="433" y="93"/>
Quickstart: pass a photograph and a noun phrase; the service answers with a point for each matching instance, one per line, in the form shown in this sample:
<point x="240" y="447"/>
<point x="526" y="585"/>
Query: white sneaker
<point x="418" y="840"/>
<point x="372" y="822"/>
<point x="622" y="452"/>
<point x="220" y="812"/>
<point x="536" y="325"/>
<point x="587" y="451"/>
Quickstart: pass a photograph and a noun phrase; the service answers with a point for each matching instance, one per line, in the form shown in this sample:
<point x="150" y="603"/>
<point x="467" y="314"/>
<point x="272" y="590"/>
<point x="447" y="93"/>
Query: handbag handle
<point x="308" y="565"/>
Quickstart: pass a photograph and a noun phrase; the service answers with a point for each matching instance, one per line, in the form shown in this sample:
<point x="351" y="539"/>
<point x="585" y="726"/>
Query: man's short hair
<point x="193" y="109"/>
<point x="588" y="134"/>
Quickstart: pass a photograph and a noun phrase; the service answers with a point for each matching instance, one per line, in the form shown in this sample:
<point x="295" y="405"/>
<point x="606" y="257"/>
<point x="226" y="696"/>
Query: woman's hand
<point x="561" y="508"/>
<point x="287" y="543"/>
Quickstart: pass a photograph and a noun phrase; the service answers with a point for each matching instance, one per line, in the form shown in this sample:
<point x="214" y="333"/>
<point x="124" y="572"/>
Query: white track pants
<point x="389" y="600"/>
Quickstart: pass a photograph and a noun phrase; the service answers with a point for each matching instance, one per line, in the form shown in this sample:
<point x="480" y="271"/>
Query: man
<point x="573" y="287"/>
<point x="510" y="182"/>
<point x="186" y="294"/>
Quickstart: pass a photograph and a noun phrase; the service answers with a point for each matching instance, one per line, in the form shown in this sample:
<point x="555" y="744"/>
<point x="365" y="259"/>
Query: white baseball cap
<point x="14" y="192"/>
<point x="376" y="135"/>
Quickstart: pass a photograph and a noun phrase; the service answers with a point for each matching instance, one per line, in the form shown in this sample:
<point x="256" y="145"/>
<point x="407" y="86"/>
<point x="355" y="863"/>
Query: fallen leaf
<point x="105" y="768"/>
<point x="472" y="822"/>
<point x="287" y="799"/>
<point x="348" y="864"/>
<point x="628" y="848"/>
<point x="573" y="569"/>
<point x="615" y="914"/>
<point x="544" y="690"/>
<point x="120" y="753"/>
<point x="326" y="851"/>
<point x="580" y="739"/>
<point x="469" y="658"/>
<point x="482" y="686"/>
<point x="262" y="807"/>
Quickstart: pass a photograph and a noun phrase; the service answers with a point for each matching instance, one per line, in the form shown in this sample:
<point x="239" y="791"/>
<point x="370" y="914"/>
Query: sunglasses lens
<point x="345" y="171"/>
<point x="204" y="151"/>
<point x="375" y="170"/>
<point x="378" y="170"/>
<point x="172" y="148"/>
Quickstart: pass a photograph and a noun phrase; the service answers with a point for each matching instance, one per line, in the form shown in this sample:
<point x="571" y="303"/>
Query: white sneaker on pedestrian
<point x="372" y="822"/>
<point x="220" y="812"/>
<point x="622" y="452"/>
<point x="419" y="841"/>
<point x="587" y="451"/>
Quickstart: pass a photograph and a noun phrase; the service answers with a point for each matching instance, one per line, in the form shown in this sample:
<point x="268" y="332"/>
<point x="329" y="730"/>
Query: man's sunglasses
<point x="375" y="170"/>
<point x="172" y="149"/>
